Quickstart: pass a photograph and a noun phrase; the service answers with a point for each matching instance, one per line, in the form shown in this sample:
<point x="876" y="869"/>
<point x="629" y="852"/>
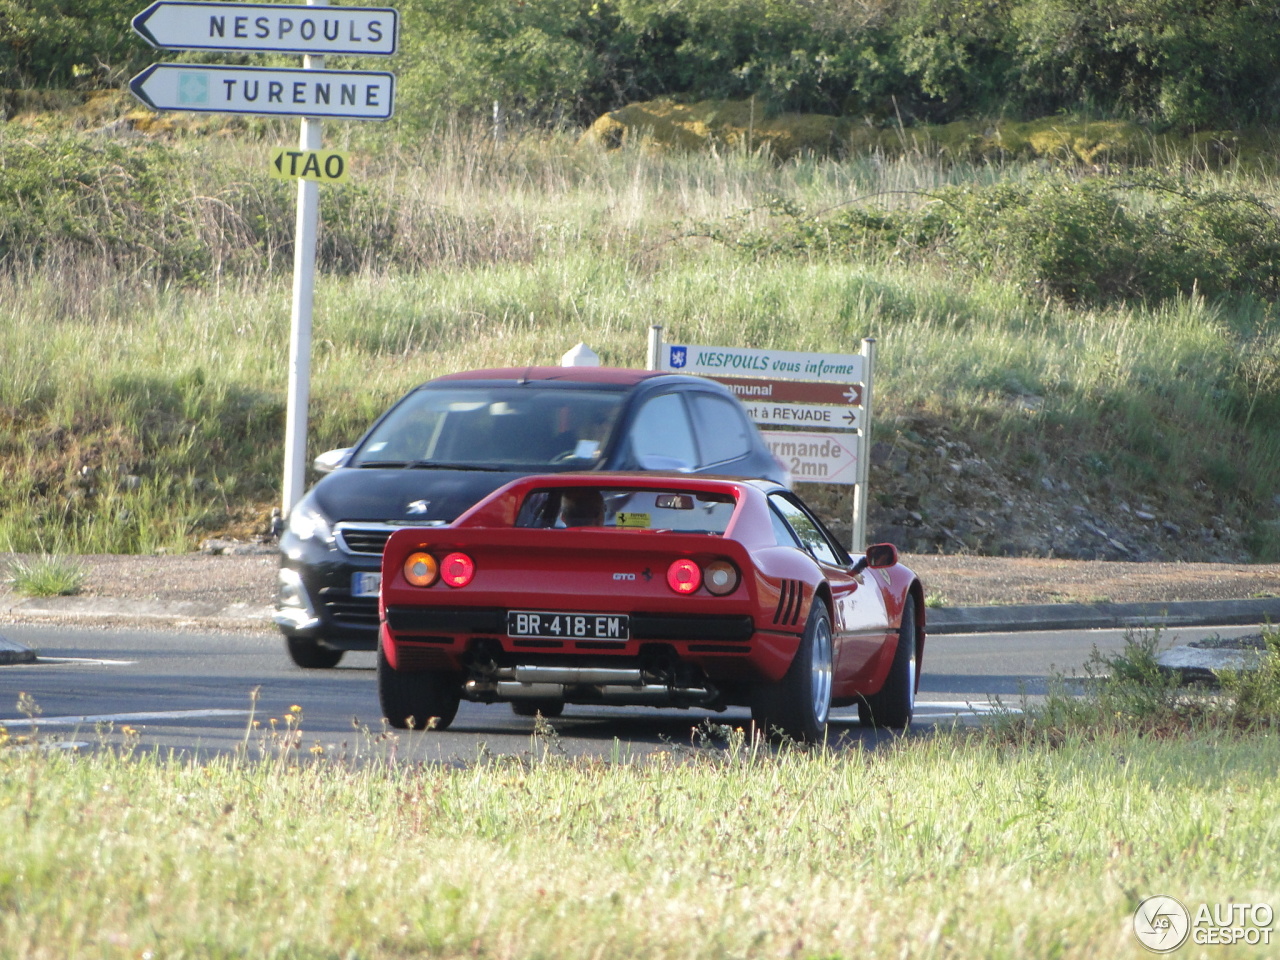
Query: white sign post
<point x="304" y="282"/>
<point x="816" y="391"/>
<point x="310" y="93"/>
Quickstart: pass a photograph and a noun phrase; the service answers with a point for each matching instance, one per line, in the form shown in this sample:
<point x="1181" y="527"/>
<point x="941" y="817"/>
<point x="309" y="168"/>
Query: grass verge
<point x="1004" y="843"/>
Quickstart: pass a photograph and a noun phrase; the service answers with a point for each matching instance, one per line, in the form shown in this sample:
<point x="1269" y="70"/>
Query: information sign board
<point x="816" y="457"/>
<point x="269" y="28"/>
<point x="786" y="364"/>
<point x="803" y="415"/>
<point x="350" y="94"/>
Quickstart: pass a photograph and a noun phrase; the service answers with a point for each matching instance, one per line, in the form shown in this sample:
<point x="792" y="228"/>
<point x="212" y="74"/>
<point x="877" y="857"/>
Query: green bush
<point x="71" y="195"/>
<point x="1090" y="240"/>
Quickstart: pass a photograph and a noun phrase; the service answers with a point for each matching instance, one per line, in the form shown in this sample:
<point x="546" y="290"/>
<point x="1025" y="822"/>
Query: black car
<point x="457" y="438"/>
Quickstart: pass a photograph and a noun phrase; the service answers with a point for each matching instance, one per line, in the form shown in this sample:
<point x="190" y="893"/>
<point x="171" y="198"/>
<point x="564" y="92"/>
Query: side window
<point x="809" y="533"/>
<point x="661" y="429"/>
<point x="782" y="533"/>
<point x="723" y="430"/>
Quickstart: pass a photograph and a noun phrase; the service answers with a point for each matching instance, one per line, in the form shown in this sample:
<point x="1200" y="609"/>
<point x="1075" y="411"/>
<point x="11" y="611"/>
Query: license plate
<point x="365" y="584"/>
<point x="568" y="626"/>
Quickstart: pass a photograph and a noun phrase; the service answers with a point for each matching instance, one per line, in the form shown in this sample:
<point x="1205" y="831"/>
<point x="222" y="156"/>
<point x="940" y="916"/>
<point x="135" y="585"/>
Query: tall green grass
<point x="935" y="847"/>
<point x="142" y="413"/>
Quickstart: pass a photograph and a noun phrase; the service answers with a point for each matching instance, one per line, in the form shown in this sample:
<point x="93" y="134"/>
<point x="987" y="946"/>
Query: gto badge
<point x="418" y="506"/>
<point x="624" y="576"/>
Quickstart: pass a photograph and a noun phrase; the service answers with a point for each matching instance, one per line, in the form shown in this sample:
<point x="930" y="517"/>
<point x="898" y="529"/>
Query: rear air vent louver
<point x="788" y="612"/>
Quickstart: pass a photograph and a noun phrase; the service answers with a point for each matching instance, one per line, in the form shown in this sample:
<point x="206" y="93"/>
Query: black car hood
<point x="386" y="494"/>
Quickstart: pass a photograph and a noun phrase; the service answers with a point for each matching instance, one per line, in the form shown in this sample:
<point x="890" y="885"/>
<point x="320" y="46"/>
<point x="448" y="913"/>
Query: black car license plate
<point x="545" y="624"/>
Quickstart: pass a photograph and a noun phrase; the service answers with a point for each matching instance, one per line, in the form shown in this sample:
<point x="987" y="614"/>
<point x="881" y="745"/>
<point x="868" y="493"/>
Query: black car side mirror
<point x="877" y="555"/>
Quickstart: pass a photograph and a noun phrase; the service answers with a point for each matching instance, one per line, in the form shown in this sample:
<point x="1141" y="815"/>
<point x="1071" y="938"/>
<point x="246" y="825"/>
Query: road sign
<point x="803" y="415"/>
<point x="325" y="166"/>
<point x="269" y="28"/>
<point x="815" y="457"/>
<point x="722" y="361"/>
<point x="349" y="94"/>
<point x="793" y="391"/>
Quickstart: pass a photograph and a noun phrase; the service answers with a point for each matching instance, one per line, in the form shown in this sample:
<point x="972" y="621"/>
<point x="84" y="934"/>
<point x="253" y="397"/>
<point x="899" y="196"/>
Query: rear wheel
<point x="531" y="708"/>
<point x="798" y="704"/>
<point x="411" y="700"/>
<point x="311" y="654"/>
<point x="895" y="704"/>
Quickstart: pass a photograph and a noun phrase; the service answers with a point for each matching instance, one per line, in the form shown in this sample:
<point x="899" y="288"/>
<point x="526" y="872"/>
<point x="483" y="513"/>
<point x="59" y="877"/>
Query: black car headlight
<point x="308" y="523"/>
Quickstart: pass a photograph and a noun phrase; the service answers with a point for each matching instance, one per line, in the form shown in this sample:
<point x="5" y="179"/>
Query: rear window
<point x="675" y="510"/>
<point x="494" y="428"/>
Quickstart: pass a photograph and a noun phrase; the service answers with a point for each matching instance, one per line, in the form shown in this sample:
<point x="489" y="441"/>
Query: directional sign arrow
<point x="269" y="27"/>
<point x="793" y="391"/>
<point x="349" y="94"/>
<point x="774" y="413"/>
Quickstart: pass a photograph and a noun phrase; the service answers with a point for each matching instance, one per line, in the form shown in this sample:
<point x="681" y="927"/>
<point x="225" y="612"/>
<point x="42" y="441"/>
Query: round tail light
<point x="457" y="569"/>
<point x="684" y="576"/>
<point x="421" y="570"/>
<point x="721" y="577"/>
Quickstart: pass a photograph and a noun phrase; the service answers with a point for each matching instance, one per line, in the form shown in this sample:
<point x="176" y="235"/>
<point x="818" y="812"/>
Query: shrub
<point x="1086" y="240"/>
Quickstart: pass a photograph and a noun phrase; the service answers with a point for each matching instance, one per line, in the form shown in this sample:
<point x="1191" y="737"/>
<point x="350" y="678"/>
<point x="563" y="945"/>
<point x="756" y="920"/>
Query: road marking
<point x="106" y="663"/>
<point x="121" y="718"/>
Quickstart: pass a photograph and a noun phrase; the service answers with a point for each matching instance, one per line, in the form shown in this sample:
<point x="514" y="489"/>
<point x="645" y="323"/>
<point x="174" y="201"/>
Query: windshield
<point x="494" y="428"/>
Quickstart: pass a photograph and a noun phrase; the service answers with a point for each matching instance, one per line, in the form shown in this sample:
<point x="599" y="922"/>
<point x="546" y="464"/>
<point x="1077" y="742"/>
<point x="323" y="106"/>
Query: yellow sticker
<point x="326" y="166"/>
<point x="639" y="521"/>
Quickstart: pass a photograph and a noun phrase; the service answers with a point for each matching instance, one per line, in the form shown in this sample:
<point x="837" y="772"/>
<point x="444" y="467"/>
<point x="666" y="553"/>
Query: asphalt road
<point x="192" y="691"/>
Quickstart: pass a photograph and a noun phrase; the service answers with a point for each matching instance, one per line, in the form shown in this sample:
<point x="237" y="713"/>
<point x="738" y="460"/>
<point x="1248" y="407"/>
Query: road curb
<point x="13" y="652"/>
<point x="940" y="620"/>
<point x="108" y="607"/>
<point x="1091" y="616"/>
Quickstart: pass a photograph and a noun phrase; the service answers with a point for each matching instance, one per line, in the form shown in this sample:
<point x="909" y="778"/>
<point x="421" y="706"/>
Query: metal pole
<point x="304" y="274"/>
<point x="858" y="542"/>
<point x="654" y="361"/>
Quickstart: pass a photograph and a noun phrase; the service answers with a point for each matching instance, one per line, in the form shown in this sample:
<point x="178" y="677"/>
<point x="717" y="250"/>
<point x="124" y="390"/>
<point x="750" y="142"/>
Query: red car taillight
<point x="457" y="569"/>
<point x="684" y="576"/>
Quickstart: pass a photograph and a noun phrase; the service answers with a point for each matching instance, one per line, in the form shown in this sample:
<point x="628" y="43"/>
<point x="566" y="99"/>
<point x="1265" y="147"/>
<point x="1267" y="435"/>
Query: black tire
<point x="797" y="705"/>
<point x="311" y="654"/>
<point x="410" y="700"/>
<point x="895" y="704"/>
<point x="550" y="709"/>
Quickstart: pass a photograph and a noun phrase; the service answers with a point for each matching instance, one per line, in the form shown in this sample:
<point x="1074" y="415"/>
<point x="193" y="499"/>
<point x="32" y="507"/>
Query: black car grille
<point x="364" y="539"/>
<point x="348" y="611"/>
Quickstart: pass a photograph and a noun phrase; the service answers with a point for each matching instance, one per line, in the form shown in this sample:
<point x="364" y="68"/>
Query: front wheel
<point x="895" y="704"/>
<point x="311" y="654"/>
<point x="798" y="704"/>
<point x="410" y="701"/>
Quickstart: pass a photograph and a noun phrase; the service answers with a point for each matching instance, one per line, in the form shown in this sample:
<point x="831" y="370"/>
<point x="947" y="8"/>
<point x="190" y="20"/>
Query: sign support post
<point x="859" y="533"/>
<point x="304" y="280"/>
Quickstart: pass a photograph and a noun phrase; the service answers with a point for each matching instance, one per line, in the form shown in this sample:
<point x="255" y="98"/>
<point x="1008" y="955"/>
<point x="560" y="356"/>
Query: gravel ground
<point x="956" y="580"/>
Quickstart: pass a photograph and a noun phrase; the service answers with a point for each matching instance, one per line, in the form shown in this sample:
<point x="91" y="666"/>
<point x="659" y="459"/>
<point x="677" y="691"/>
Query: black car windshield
<point x="491" y="428"/>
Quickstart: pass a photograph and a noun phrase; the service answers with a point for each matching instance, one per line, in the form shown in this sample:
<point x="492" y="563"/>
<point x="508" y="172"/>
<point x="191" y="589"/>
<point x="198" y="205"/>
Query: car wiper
<point x="382" y="463"/>
<point x="436" y="465"/>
